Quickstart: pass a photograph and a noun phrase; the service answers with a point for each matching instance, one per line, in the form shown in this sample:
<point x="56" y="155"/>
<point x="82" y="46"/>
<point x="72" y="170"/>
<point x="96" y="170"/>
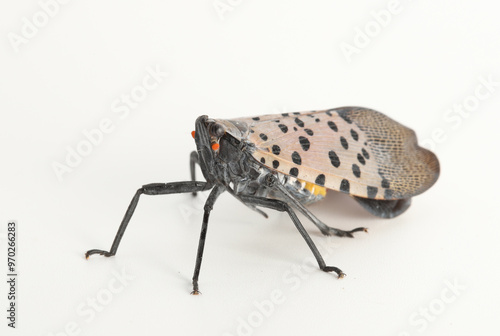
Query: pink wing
<point x="351" y="149"/>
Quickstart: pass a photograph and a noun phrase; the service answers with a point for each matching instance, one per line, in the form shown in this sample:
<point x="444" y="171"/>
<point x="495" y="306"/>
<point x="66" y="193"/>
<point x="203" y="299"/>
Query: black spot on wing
<point x="283" y="128"/>
<point x="294" y="172"/>
<point x="345" y="186"/>
<point x="385" y="184"/>
<point x="371" y="191"/>
<point x="365" y="154"/>
<point x="344" y="142"/>
<point x="276" y="164"/>
<point x="354" y="135"/>
<point x="361" y="159"/>
<point x="333" y="126"/>
<point x="276" y="150"/>
<point x="320" y="180"/>
<point x="263" y="136"/>
<point x="309" y="131"/>
<point x="299" y="122"/>
<point x="262" y="160"/>
<point x="304" y="142"/>
<point x="334" y="158"/>
<point x="355" y="170"/>
<point x="296" y="158"/>
<point x="256" y="118"/>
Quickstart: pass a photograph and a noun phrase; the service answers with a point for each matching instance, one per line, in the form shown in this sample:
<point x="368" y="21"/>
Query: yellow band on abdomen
<point x="315" y="189"/>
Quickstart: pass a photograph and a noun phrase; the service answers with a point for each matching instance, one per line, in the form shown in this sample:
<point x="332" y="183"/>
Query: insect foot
<point x="101" y="252"/>
<point x="341" y="233"/>
<point x="337" y="270"/>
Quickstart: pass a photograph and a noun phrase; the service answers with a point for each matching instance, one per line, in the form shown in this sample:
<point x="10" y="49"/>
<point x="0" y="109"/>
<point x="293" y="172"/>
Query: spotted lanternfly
<point x="286" y="161"/>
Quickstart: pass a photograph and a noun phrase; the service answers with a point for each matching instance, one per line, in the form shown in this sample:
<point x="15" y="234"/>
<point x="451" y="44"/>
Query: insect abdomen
<point x="306" y="192"/>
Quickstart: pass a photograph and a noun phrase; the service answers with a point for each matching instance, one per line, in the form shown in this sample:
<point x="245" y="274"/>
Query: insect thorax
<point x="239" y="170"/>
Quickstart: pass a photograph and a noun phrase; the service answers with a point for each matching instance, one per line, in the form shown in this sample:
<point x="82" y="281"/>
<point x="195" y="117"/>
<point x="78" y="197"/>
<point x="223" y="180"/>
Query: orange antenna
<point x="193" y="133"/>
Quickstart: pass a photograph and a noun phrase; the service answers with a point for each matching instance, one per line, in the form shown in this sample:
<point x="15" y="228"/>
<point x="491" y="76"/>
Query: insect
<point x="286" y="161"/>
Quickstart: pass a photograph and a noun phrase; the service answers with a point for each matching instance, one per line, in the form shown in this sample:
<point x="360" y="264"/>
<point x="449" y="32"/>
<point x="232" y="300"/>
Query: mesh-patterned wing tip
<point x="406" y="168"/>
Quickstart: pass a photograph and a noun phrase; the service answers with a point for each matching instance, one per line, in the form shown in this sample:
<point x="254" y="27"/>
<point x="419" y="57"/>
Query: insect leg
<point x="193" y="160"/>
<point x="214" y="194"/>
<point x="325" y="229"/>
<point x="149" y="189"/>
<point x="284" y="207"/>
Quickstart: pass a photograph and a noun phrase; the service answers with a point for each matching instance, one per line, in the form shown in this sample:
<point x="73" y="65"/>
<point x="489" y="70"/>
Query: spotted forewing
<point x="354" y="150"/>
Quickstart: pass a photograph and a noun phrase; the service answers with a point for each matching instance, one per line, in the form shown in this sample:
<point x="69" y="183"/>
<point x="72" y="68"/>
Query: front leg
<point x="149" y="189"/>
<point x="209" y="204"/>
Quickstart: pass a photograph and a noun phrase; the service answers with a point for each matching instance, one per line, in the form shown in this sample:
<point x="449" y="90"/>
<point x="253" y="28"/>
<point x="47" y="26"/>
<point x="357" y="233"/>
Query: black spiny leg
<point x="214" y="194"/>
<point x="149" y="189"/>
<point x="284" y="207"/>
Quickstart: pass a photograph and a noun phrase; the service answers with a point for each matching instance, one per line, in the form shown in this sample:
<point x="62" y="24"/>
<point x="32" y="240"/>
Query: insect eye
<point x="216" y="130"/>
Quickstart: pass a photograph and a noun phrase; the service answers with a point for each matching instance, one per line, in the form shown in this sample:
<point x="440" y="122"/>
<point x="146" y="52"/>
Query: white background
<point x="254" y="57"/>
